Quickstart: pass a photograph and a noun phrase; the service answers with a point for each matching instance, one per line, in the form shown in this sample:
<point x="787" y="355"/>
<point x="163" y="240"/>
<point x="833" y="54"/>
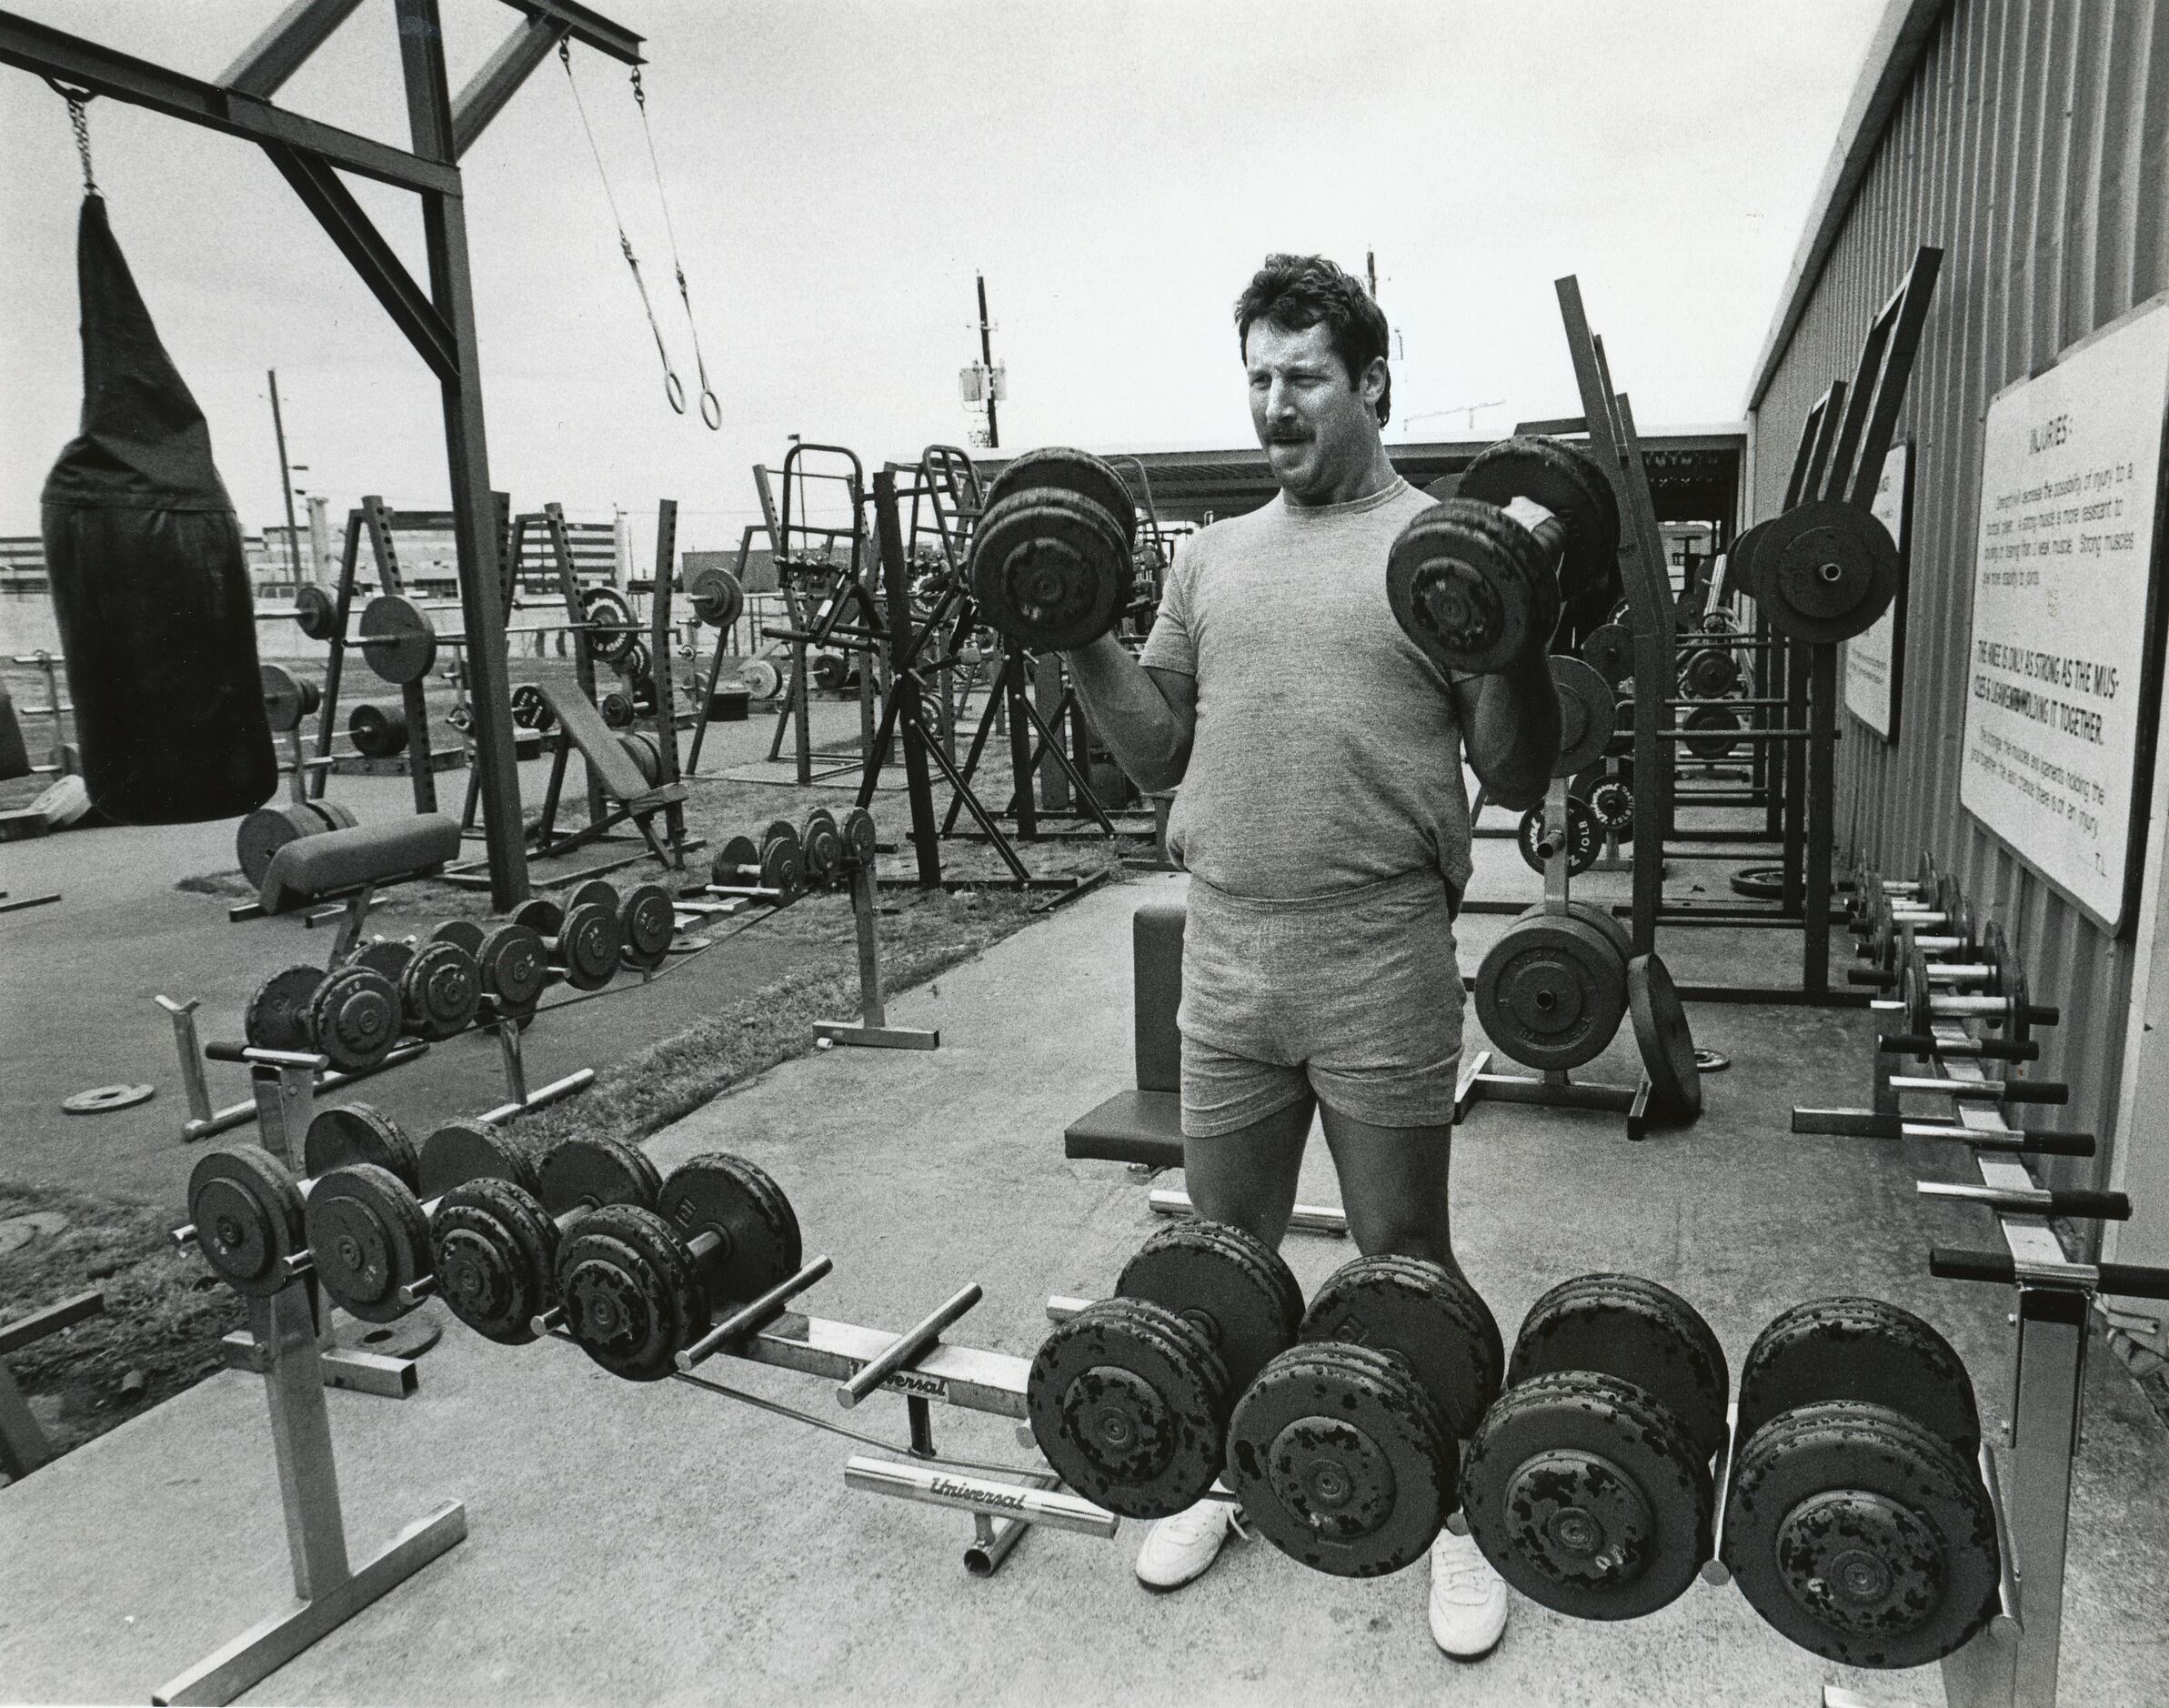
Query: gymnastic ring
<point x="674" y="389"/>
<point x="714" y="418"/>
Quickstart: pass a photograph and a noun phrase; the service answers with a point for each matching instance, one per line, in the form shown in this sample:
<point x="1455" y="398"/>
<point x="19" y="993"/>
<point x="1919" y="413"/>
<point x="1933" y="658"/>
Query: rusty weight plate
<point x="1063" y="469"/>
<point x="354" y="1018"/>
<point x="1638" y="1330"/>
<point x="1567" y="481"/>
<point x="1551" y="992"/>
<point x="1429" y="1316"/>
<point x="494" y="1250"/>
<point x="1853" y="1347"/>
<point x="1051" y="570"/>
<point x="360" y="1132"/>
<point x="1472" y="587"/>
<point x="462" y="1150"/>
<point x="439" y="990"/>
<point x="631" y="1294"/>
<point x="277" y="1017"/>
<point x="1224" y="1281"/>
<point x="735" y="1199"/>
<point x="247" y="1212"/>
<point x="368" y="1238"/>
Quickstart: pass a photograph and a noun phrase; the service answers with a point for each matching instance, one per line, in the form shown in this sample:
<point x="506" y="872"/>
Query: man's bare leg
<point x="1247" y="1178"/>
<point x="1393" y="1186"/>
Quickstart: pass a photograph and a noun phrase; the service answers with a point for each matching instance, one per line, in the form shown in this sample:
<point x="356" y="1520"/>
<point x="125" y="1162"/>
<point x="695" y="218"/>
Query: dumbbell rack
<point x="917" y="1364"/>
<point x="2014" y="1661"/>
<point x="286" y="1342"/>
<point x="1554" y="1087"/>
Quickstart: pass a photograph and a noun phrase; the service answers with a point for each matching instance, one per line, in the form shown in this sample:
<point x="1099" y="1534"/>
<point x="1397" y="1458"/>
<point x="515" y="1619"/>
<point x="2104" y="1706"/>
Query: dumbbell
<point x="774" y="869"/>
<point x="351" y="1014"/>
<point x="1130" y="1399"/>
<point x="1343" y="1449"/>
<point x="512" y="966"/>
<point x="1961" y="951"/>
<point x="647" y="924"/>
<point x="636" y="1286"/>
<point x="1477" y="581"/>
<point x="580" y="938"/>
<point x="1588" y="1483"/>
<point x="820" y="848"/>
<point x="1709" y="673"/>
<point x="1050" y="558"/>
<point x="287" y="698"/>
<point x="377" y="730"/>
<point x="1856" y="1520"/>
<point x="439" y="982"/>
<point x="2011" y="1006"/>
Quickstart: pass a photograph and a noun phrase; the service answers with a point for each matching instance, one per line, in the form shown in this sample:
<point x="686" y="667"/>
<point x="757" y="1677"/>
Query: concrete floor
<point x="662" y="1544"/>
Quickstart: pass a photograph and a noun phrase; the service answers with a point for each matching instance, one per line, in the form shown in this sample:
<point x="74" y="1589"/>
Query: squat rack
<point x="439" y="320"/>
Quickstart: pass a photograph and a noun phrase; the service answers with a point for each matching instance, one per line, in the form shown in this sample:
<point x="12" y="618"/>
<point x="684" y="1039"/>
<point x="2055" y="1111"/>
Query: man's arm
<point x="1509" y="724"/>
<point x="1146" y="717"/>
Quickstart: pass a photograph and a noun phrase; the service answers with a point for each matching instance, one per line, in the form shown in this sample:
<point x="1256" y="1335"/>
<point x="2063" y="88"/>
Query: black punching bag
<point x="149" y="584"/>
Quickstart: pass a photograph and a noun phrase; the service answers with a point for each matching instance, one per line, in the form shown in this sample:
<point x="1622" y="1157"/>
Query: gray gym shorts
<point x="1355" y="996"/>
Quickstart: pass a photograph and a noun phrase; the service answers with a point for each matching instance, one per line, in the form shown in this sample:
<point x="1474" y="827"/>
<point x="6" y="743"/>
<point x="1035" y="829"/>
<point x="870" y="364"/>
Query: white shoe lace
<point x="1460" y="1574"/>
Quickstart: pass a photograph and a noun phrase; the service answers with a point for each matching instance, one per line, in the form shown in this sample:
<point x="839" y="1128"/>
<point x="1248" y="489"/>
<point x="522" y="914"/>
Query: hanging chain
<point x="673" y="387"/>
<point x="712" y="407"/>
<point x="77" y="99"/>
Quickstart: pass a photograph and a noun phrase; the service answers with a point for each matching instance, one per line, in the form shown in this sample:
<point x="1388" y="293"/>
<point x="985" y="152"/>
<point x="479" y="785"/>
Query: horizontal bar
<point x="2033" y="1200"/>
<point x="906" y="1348"/>
<point x="21" y="1332"/>
<point x="2134" y="1281"/>
<point x="758" y="1314"/>
<point x="1311" y="1218"/>
<point x="1515" y="1088"/>
<point x="979" y="1494"/>
<point x="962" y="1376"/>
<point x="241" y="1114"/>
<point x="555" y="1091"/>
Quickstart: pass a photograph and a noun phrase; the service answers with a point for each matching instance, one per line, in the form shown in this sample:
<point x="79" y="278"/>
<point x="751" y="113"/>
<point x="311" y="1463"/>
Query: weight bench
<point x="1144" y="1127"/>
<point x="351" y="866"/>
<point x="580" y="725"/>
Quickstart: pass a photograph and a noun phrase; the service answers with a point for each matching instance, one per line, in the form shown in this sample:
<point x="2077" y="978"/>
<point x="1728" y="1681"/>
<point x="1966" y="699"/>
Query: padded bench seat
<point x="1145" y="1125"/>
<point x="314" y="869"/>
<point x="1130" y="1127"/>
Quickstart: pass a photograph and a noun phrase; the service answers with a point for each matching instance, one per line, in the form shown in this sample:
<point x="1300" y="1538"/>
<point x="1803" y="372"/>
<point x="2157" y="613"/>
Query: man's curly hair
<point x="1297" y="292"/>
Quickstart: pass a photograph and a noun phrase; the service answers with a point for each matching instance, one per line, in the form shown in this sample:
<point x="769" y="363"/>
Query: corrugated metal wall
<point x="2033" y="147"/>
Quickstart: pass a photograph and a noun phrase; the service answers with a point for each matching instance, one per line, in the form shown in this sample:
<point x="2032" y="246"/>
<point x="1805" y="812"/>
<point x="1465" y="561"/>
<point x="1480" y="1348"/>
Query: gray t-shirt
<point x="1327" y="750"/>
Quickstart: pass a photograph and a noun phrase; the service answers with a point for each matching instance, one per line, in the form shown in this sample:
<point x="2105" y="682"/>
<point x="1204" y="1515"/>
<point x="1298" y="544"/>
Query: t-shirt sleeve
<point x="1173" y="645"/>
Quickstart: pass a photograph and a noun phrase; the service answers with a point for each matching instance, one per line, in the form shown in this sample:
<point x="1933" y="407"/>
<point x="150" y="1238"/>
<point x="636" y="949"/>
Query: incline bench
<point x="632" y="796"/>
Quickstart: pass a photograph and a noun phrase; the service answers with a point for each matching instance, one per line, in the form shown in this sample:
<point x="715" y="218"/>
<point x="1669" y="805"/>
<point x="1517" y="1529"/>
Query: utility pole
<point x="1371" y="272"/>
<point x="286" y="479"/>
<point x="986" y="357"/>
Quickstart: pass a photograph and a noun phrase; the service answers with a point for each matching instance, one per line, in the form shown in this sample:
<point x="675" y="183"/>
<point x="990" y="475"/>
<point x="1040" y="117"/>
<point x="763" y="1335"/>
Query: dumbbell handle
<point x="756" y="1315"/>
<point x="250" y="1053"/>
<point x="1863" y="1123"/>
<point x="1985" y="1091"/>
<point x="2034" y="1200"/>
<point x="1993" y="1007"/>
<point x="1926" y="945"/>
<point x="2133" y="1281"/>
<point x="755" y="890"/>
<point x="906" y="1348"/>
<point x="1972" y="1049"/>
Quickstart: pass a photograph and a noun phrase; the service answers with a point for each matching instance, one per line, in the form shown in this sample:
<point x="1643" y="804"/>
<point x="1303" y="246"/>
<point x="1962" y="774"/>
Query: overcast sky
<point x="837" y="172"/>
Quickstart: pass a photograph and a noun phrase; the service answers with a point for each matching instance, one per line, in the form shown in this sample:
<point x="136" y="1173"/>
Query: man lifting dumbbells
<point x="1325" y="824"/>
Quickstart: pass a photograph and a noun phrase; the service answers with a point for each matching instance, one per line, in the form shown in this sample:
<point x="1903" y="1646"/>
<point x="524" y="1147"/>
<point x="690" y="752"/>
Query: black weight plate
<point x="277" y="1017"/>
<point x="262" y="833"/>
<point x="439" y="990"/>
<point x="1609" y="650"/>
<point x="1586" y="707"/>
<point x="465" y="933"/>
<point x="354" y="1018"/>
<point x="1636" y="1330"/>
<point x="514" y="968"/>
<point x="1224" y="1281"/>
<point x="647" y="924"/>
<point x="596" y="892"/>
<point x="1826" y="572"/>
<point x="1661" y="1034"/>
<point x="717" y="1194"/>
<point x="781" y="1217"/>
<point x="858" y="834"/>
<point x="618" y="709"/>
<point x="368" y="1237"/>
<point x="1742" y="570"/>
<point x="527" y="706"/>
<point x="821" y="846"/>
<point x="540" y="915"/>
<point x="1859" y="1349"/>
<point x="385" y="955"/>
<point x="1861" y="1536"/>
<point x="1709" y="673"/>
<point x="1471" y="588"/>
<point x="582" y="1173"/>
<point x="737" y="862"/>
<point x="1611" y="804"/>
<point x="640" y="747"/>
<point x="247" y="1213"/>
<point x="1130" y="1404"/>
<point x="607" y="606"/>
<point x="1613" y="927"/>
<point x="630" y="1295"/>
<point x="313" y="611"/>
<point x="1759" y="883"/>
<point x="399" y="641"/>
<point x="1567" y="481"/>
<point x="284" y="703"/>
<point x="360" y="1132"/>
<point x="717" y="598"/>
<point x="1342" y="1460"/>
<point x="1713" y="732"/>
<point x="1586" y="1496"/>
<point x="779" y="867"/>
<point x="316" y="816"/>
<point x="588" y="946"/>
<point x="1551" y="992"/>
<point x="463" y="1151"/>
<point x="1051" y="570"/>
<point x="1065" y="469"/>
<point x="1585" y="839"/>
<point x="1428" y="1316"/>
<point x="494" y="1252"/>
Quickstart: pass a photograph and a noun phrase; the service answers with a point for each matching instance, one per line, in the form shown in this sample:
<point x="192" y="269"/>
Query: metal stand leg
<point x="871" y="1028"/>
<point x="328" y="1590"/>
<point x="192" y="1063"/>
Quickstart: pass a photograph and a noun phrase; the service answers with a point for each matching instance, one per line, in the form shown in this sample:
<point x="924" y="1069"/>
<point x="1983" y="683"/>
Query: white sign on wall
<point x="1874" y="661"/>
<point x="2060" y="696"/>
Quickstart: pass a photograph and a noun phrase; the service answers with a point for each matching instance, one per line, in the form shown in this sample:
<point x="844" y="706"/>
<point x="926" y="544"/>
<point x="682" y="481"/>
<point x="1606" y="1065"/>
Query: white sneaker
<point x="1179" y="1547"/>
<point x="1467" y="1599"/>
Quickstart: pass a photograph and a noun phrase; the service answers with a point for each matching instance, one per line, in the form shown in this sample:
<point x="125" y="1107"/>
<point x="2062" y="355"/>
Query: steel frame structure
<point x="439" y="320"/>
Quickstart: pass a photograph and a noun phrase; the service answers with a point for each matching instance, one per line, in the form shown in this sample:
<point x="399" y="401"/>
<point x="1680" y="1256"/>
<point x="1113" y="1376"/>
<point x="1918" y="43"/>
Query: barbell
<point x="400" y="639"/>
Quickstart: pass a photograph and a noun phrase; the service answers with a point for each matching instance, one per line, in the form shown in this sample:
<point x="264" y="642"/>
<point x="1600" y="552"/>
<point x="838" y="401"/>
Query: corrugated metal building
<point x="2028" y="139"/>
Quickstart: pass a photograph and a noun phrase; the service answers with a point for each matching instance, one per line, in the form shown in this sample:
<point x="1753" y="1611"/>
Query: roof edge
<point x="1894" y="53"/>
